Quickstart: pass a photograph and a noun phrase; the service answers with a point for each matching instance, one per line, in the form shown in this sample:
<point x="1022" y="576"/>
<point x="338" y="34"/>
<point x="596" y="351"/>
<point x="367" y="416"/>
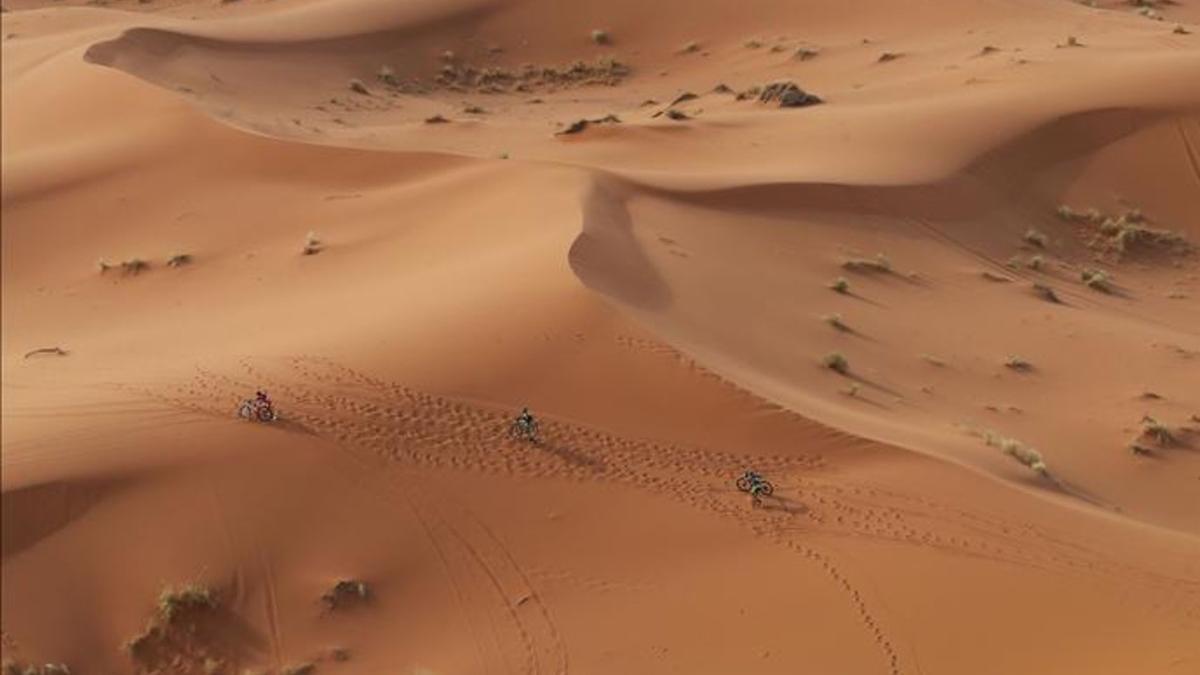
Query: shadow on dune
<point x="33" y="513"/>
<point x="572" y="456"/>
<point x="608" y="258"/>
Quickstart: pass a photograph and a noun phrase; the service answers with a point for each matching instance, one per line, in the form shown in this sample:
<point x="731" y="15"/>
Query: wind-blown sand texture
<point x="1004" y="477"/>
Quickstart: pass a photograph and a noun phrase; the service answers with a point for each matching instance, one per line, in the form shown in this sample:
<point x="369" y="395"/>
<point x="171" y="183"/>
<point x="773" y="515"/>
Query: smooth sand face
<point x="656" y="290"/>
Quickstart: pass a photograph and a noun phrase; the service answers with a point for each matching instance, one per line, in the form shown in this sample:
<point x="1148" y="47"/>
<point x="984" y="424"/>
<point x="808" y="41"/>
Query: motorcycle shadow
<point x="291" y="426"/>
<point x="781" y="505"/>
<point x="570" y="456"/>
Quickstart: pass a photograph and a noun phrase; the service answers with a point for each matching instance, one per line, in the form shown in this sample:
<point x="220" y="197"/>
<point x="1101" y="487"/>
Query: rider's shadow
<point x="572" y="457"/>
<point x="782" y="505"/>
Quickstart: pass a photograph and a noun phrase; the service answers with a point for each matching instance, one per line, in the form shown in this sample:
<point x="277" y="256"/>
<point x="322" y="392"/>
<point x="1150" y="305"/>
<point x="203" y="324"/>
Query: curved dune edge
<point x="660" y="301"/>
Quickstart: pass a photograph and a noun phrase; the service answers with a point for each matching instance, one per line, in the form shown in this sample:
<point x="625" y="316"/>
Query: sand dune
<point x="1001" y="479"/>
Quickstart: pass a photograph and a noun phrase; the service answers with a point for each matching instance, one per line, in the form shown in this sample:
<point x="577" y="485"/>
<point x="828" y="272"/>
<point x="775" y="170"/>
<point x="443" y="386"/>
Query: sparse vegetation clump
<point x="840" y="285"/>
<point x="836" y="362"/>
<point x="175" y="602"/>
<point x="1018" y="364"/>
<point x="306" y="668"/>
<point x="1046" y="293"/>
<point x="386" y="75"/>
<point x="889" y="56"/>
<point x="879" y="263"/>
<point x="1159" y="432"/>
<point x="1095" y="279"/>
<point x="1034" y="237"/>
<point x="805" y="53"/>
<point x="1036" y="263"/>
<point x="344" y="593"/>
<point x="788" y="95"/>
<point x="933" y="360"/>
<point x="689" y="48"/>
<point x="836" y="321"/>
<point x="1125" y="233"/>
<point x="12" y="667"/>
<point x="134" y="266"/>
<point x="578" y="126"/>
<point x="1068" y="214"/>
<point x="312" y="244"/>
<point x="677" y="115"/>
<point x="180" y="613"/>
<point x="436" y="119"/>
<point x="359" y="87"/>
<point x="601" y="37"/>
<point x="104" y="266"/>
<point x="179" y="260"/>
<point x="1018" y="451"/>
<point x="462" y="77"/>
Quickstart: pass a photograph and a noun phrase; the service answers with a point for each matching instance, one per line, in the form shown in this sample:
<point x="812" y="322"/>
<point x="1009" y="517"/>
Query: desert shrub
<point x="1017" y="363"/>
<point x="344" y="593"/>
<point x="1018" y="451"/>
<point x="835" y="361"/>
<point x="835" y="320"/>
<point x="879" y="263"/>
<point x="176" y="601"/>
<point x="134" y="266"/>
<point x="312" y="244"/>
<point x="1095" y="279"/>
<point x="601" y="37"/>
<point x="1046" y="293"/>
<point x="1161" y="433"/>
<point x="387" y="76"/>
<point x="840" y="285"/>
<point x="1034" y="237"/>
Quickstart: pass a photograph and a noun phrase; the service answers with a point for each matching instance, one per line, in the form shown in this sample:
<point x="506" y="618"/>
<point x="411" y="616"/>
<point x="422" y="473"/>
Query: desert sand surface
<point x="951" y="311"/>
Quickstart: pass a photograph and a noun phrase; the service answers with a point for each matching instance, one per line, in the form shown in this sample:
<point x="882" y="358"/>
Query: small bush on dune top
<point x="1161" y="433"/>
<point x="840" y="284"/>
<point x="835" y="320"/>
<point x="312" y="244"/>
<point x="1017" y="363"/>
<point x="174" y="602"/>
<point x="345" y="592"/>
<point x="1095" y="279"/>
<point x="1036" y="238"/>
<point x="12" y="667"/>
<point x="134" y="266"/>
<point x="879" y="263"/>
<point x="1046" y="293"/>
<point x="601" y="37"/>
<point x="180" y="611"/>
<point x="1018" y="451"/>
<point x="835" y="361"/>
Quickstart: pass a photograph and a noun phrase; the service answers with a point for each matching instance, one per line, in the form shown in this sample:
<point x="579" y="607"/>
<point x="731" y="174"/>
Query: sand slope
<point x="657" y="290"/>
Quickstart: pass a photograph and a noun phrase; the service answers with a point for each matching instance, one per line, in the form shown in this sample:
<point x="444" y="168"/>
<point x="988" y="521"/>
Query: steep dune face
<point x="660" y="290"/>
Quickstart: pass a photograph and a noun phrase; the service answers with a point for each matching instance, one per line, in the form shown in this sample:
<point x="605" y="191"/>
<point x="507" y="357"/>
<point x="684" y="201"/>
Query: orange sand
<point x="656" y="290"/>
